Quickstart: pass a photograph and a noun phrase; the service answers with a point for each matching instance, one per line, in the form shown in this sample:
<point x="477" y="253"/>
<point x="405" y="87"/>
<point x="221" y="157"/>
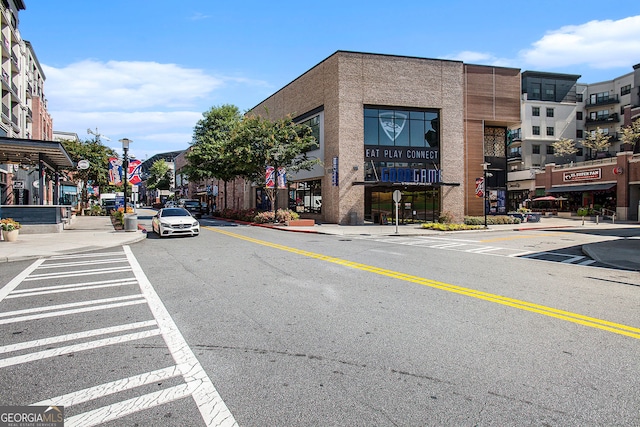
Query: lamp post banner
<point x="282" y="178"/>
<point x="270" y="181"/>
<point x="135" y="167"/>
<point x="115" y="171"/>
<point x="479" y="187"/>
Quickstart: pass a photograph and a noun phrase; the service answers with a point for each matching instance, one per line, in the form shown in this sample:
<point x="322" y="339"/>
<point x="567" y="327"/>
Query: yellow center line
<point x="568" y="316"/>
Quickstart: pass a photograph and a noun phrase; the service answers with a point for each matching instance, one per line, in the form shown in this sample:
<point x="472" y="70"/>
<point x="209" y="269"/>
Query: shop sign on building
<point x="582" y="175"/>
<point x="334" y="172"/>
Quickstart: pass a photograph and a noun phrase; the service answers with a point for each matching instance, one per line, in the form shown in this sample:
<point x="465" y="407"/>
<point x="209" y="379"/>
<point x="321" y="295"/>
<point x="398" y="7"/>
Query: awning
<point x="30" y="151"/>
<point x="580" y="188"/>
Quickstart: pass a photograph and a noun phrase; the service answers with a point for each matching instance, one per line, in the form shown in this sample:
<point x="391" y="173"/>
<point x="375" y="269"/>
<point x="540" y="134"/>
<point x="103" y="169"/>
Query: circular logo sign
<point x="83" y="164"/>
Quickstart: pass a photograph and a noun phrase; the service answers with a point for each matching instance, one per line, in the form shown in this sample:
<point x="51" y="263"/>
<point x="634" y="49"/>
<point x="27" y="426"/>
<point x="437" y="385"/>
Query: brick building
<point x="422" y="126"/>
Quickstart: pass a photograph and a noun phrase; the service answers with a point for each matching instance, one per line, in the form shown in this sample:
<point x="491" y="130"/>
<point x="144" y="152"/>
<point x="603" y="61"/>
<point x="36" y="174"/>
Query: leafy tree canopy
<point x="98" y="171"/>
<point x="210" y="154"/>
<point x="564" y="147"/>
<point x="597" y="141"/>
<point x="259" y="142"/>
<point x="159" y="176"/>
<point x="631" y="134"/>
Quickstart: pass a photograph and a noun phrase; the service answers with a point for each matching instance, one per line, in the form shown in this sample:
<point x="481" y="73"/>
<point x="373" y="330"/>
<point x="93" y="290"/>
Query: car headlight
<point x="164" y="224"/>
<point x="195" y="224"/>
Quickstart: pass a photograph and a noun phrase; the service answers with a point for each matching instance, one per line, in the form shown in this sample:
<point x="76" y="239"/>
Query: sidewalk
<point x="88" y="233"/>
<point x="85" y="233"/>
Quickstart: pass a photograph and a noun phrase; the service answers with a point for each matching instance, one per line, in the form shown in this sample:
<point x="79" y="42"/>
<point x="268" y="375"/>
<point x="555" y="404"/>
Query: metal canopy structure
<point x="31" y="152"/>
<point x="581" y="188"/>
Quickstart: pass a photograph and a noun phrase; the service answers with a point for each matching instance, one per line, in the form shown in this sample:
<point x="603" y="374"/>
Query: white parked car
<point x="175" y="222"/>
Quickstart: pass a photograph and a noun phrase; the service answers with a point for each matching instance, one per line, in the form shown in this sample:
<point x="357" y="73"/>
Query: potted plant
<point x="10" y="229"/>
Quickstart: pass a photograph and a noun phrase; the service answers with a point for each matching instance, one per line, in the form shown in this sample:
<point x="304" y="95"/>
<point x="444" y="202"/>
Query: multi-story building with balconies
<point x="553" y="107"/>
<point x="24" y="106"/>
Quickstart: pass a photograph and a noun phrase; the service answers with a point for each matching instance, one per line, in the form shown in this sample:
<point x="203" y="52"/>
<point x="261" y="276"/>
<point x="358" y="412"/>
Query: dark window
<point x="549" y="92"/>
<point x="535" y="111"/>
<point x="579" y="133"/>
<point x="535" y="91"/>
<point x="401" y="128"/>
<point x="549" y="112"/>
<point x="535" y="130"/>
<point x="535" y="149"/>
<point x="624" y="90"/>
<point x="550" y="149"/>
<point x="579" y="97"/>
<point x="579" y="115"/>
<point x="550" y="130"/>
<point x="579" y="152"/>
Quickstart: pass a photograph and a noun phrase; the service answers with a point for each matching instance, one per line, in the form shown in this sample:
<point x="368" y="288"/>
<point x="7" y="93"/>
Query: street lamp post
<point x="125" y="166"/>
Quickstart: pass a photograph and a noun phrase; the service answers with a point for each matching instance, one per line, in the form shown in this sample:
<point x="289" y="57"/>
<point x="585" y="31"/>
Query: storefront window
<point x="306" y="197"/>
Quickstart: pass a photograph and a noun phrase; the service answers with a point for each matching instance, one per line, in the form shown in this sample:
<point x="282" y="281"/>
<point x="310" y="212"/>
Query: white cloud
<point x="156" y="105"/>
<point x="484" y="58"/>
<point x="597" y="44"/>
<point x="99" y="86"/>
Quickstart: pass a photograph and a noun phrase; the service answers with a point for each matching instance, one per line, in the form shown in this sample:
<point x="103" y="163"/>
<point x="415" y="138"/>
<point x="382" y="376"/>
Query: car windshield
<point x="191" y="203"/>
<point x="174" y="212"/>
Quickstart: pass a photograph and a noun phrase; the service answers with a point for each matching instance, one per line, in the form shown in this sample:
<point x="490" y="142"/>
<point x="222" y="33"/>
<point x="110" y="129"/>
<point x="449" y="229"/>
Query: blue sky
<point x="147" y="69"/>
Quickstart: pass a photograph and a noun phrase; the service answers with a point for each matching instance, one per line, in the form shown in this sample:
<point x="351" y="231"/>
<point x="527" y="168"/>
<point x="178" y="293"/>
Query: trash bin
<point x="131" y="222"/>
<point x="353" y="218"/>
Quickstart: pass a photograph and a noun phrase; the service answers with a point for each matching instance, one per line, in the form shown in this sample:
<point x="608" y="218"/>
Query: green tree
<point x="259" y="142"/>
<point x="597" y="141"/>
<point x="564" y="147"/>
<point x="211" y="152"/>
<point x="631" y="134"/>
<point x="159" y="176"/>
<point x="98" y="170"/>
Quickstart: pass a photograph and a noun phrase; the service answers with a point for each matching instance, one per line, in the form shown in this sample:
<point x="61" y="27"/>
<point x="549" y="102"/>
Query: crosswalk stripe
<point x="44" y="354"/>
<point x="112" y="387"/>
<point x="78" y="335"/>
<point x="85" y="262"/>
<point x="130" y="406"/>
<point x="40" y="316"/>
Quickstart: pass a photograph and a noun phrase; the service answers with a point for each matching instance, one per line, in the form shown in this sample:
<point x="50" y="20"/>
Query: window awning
<point x="580" y="188"/>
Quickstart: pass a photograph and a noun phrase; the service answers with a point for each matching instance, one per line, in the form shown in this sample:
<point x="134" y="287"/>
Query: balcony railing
<point x="603" y="100"/>
<point x="609" y="118"/>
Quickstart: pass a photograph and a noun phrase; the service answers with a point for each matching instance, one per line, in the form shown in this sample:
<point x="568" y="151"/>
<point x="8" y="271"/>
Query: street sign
<point x="397" y="195"/>
<point x="18" y="185"/>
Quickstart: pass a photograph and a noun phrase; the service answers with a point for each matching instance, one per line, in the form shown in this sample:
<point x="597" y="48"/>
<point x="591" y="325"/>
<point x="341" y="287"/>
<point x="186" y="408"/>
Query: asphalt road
<point x="305" y="329"/>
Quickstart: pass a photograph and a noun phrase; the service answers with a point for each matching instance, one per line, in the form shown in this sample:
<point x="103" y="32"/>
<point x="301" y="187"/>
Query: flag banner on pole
<point x="479" y="187"/>
<point x="270" y="181"/>
<point x="282" y="178"/>
<point x="135" y="168"/>
<point x="115" y="171"/>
